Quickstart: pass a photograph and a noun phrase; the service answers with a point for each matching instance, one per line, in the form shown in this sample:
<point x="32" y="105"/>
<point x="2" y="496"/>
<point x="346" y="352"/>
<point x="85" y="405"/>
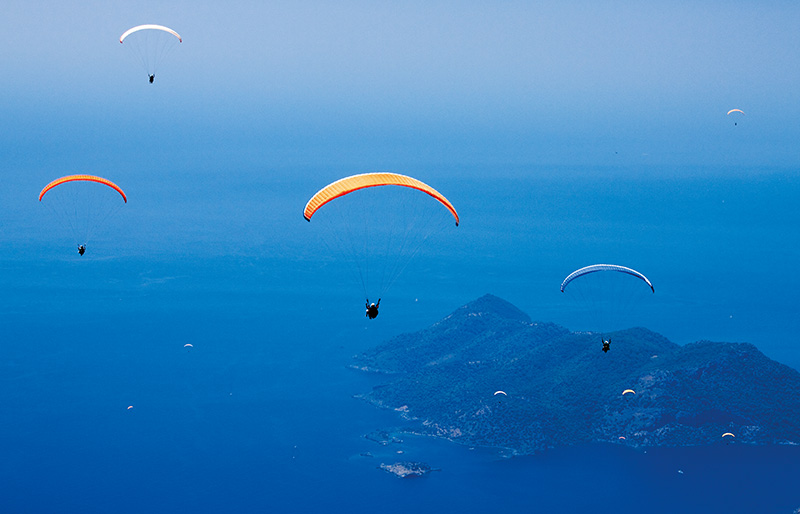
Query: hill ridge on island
<point x="563" y="390"/>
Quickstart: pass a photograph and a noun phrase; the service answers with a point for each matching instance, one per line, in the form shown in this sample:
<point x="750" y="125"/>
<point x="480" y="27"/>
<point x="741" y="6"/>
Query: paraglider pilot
<point x="152" y="78"/>
<point x="372" y="309"/>
<point x="606" y="345"/>
<point x="81" y="249"/>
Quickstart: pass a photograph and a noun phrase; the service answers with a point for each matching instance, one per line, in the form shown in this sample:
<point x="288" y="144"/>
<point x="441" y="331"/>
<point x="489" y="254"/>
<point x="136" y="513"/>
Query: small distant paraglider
<point x="83" y="203"/>
<point x="628" y="391"/>
<point x="150" y="44"/>
<point x="500" y="392"/>
<point x="622" y="438"/>
<point x="735" y="110"/>
<point x="130" y="407"/>
<point x="188" y="345"/>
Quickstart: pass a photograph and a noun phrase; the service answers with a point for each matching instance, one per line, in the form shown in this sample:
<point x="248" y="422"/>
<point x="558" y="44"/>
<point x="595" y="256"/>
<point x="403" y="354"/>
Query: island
<point x="488" y="375"/>
<point x="406" y="469"/>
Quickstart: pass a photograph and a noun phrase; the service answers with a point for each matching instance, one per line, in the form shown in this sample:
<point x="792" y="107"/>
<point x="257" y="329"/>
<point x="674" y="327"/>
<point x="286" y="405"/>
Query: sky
<point x="391" y="85"/>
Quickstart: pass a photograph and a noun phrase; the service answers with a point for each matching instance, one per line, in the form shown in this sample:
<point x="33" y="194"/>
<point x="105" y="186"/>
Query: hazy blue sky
<point x="391" y="84"/>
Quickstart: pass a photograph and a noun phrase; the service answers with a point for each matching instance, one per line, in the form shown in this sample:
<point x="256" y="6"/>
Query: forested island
<point x="556" y="388"/>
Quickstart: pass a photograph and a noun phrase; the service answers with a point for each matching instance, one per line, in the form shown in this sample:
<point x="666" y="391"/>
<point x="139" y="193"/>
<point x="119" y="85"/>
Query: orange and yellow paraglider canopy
<point x="354" y="183"/>
<point x="86" y="178"/>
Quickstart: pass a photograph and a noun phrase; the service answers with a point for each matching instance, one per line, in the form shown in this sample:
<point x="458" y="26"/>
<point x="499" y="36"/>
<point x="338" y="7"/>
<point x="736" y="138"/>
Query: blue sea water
<point x="259" y="415"/>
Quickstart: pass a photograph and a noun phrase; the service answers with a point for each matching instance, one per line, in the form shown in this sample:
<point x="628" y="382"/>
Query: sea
<point x="104" y="408"/>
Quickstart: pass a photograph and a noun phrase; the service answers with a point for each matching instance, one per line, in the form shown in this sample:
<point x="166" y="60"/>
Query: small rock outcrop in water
<point x="382" y="437"/>
<point x="561" y="389"/>
<point x="406" y="469"/>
